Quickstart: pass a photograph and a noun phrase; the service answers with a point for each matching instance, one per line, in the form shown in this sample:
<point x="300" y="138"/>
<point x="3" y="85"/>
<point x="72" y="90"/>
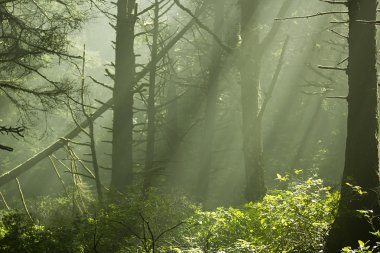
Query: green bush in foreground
<point x="295" y="219"/>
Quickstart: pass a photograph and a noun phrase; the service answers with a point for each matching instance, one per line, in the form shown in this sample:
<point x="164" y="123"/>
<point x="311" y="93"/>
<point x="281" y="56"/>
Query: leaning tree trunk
<point x="122" y="163"/>
<point x="362" y="161"/>
<point x="250" y="91"/>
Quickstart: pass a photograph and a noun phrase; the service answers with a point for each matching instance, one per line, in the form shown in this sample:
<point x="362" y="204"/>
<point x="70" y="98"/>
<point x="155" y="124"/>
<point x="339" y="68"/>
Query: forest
<point x="200" y="126"/>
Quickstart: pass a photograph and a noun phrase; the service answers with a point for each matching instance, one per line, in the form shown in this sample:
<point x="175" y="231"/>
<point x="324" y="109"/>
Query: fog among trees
<point x="189" y="126"/>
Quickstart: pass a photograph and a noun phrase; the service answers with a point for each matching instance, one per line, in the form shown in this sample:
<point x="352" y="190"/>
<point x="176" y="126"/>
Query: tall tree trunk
<point x="250" y="92"/>
<point x="252" y="53"/>
<point x="362" y="161"/>
<point x="151" y="113"/>
<point x="122" y="163"/>
<point x="215" y="67"/>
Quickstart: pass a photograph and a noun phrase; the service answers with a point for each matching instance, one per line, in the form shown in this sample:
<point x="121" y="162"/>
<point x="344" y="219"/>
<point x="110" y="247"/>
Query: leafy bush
<point x="133" y="224"/>
<point x="19" y="234"/>
<point x="294" y="219"/>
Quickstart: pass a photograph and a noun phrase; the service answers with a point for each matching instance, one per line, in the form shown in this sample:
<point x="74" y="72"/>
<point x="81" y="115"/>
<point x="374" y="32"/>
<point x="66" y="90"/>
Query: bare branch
<point x="334" y="2"/>
<point x="313" y="15"/>
<point x="12" y="130"/>
<point x="204" y="27"/>
<point x="332" y="68"/>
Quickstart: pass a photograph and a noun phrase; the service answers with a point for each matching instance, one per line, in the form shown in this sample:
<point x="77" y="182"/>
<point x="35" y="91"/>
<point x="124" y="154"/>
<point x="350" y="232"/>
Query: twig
<point x="101" y="84"/>
<point x="332" y="68"/>
<point x="204" y="27"/>
<point x="5" y="202"/>
<point x="6" y="148"/>
<point x="313" y="15"/>
<point x="59" y="176"/>
<point x="12" y="130"/>
<point x="341" y="35"/>
<point x="23" y="200"/>
<point x="334" y="2"/>
<point x="338" y="97"/>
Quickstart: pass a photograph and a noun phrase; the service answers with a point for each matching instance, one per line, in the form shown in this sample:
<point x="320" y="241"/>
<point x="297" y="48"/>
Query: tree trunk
<point x="215" y="67"/>
<point x="362" y="161"/>
<point x="252" y="53"/>
<point x="151" y="113"/>
<point x="250" y="92"/>
<point x="122" y="163"/>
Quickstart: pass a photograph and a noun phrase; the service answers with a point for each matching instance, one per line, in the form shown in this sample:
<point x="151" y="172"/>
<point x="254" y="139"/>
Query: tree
<point x="125" y="74"/>
<point x="361" y="169"/>
<point x="32" y="39"/>
<point x="151" y="107"/>
<point x="252" y="52"/>
<point x="126" y="79"/>
<point x="28" y="164"/>
<point x="29" y="36"/>
<point x="212" y="84"/>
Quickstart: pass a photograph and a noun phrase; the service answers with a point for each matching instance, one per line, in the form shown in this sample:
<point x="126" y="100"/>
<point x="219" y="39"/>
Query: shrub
<point x="295" y="219"/>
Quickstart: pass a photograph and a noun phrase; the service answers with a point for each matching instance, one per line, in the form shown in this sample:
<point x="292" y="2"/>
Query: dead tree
<point x="125" y="74"/>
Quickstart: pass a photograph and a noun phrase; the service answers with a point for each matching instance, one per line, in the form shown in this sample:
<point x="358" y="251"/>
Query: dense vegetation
<point x="294" y="219"/>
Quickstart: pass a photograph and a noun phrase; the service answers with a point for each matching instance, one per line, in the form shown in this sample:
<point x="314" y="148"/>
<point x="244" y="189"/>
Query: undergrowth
<point x="296" y="218"/>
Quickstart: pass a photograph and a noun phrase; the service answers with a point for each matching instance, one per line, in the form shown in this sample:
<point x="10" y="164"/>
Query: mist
<point x="188" y="126"/>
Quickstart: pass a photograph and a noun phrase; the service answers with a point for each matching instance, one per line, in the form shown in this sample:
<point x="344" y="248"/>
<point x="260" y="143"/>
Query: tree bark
<point x="122" y="160"/>
<point x="361" y="158"/>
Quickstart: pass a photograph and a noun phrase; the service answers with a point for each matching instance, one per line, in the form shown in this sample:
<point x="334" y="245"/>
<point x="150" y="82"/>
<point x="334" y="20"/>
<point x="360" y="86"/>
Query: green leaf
<point x="377" y="233"/>
<point x="281" y="178"/>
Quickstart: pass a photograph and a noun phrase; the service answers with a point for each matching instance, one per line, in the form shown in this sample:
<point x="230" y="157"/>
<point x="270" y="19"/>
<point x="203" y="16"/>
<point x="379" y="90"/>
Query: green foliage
<point x="19" y="234"/>
<point x="366" y="247"/>
<point x="295" y="219"/>
<point x="362" y="248"/>
<point x="138" y="223"/>
<point x="133" y="223"/>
